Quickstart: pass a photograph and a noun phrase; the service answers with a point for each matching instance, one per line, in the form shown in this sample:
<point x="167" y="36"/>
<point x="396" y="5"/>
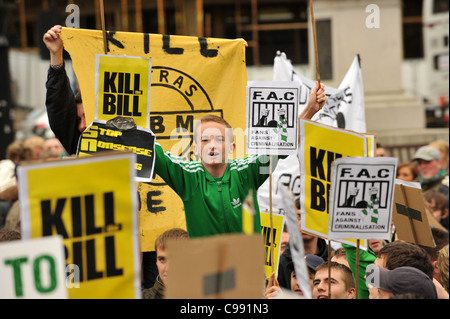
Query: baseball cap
<point x="312" y="261"/>
<point x="427" y="153"/>
<point x="401" y="280"/>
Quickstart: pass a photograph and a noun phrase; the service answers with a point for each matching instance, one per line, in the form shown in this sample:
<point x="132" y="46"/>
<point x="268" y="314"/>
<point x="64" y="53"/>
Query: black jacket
<point x="62" y="109"/>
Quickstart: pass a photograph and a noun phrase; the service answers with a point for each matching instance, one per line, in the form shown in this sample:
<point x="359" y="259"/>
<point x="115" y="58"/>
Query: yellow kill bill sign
<point x="91" y="203"/>
<point x="190" y="77"/>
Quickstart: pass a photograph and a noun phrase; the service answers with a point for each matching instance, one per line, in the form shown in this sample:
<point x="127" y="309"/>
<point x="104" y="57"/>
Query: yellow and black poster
<point x="190" y="77"/>
<point x="91" y="203"/>
<point x="320" y="145"/>
<point x="122" y="87"/>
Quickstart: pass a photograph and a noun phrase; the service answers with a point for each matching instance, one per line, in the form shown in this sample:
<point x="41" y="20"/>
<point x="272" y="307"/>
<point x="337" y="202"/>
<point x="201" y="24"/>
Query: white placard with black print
<point x="272" y="112"/>
<point x="361" y="197"/>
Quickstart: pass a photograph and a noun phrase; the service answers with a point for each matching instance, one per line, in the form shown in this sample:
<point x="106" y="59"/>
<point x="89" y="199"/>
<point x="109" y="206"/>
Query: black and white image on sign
<point x="361" y="198"/>
<point x="272" y="118"/>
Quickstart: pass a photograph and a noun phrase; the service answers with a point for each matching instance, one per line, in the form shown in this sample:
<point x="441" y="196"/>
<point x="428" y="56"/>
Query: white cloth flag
<point x="344" y="109"/>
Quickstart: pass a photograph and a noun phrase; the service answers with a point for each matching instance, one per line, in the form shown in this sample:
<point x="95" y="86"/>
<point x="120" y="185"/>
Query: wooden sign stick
<point x="409" y="215"/>
<point x="102" y="15"/>
<point x="313" y="24"/>
<point x="271" y="216"/>
<point x="357" y="269"/>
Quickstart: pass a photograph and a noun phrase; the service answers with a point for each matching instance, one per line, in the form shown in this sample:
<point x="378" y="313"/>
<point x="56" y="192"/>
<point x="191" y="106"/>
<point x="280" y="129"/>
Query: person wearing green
<point x="365" y="259"/>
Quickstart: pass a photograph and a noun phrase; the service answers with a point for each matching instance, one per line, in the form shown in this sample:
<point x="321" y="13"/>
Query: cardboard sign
<point x="100" y="137"/>
<point x="320" y="145"/>
<point x="272" y="111"/>
<point x="272" y="239"/>
<point x="361" y="197"/>
<point x="33" y="269"/>
<point x="91" y="203"/>
<point x="409" y="216"/>
<point x="222" y="266"/>
<point x="122" y="88"/>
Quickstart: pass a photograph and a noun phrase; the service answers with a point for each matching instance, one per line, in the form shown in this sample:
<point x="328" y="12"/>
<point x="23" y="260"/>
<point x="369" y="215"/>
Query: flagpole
<point x="313" y="24"/>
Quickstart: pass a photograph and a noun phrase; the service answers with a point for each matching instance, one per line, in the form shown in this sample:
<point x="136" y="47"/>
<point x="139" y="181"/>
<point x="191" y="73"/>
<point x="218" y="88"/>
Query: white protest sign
<point x="296" y="243"/>
<point x="272" y="111"/>
<point x="33" y="269"/>
<point x="361" y="197"/>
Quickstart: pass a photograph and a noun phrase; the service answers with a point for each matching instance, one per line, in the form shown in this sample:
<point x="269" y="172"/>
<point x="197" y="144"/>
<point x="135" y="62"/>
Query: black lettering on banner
<point x="167" y="48"/>
<point x="146" y="43"/>
<point x="186" y="125"/>
<point x="207" y="53"/>
<point x="156" y="124"/>
<point x="110" y="38"/>
<point x="91" y="229"/>
<point x="316" y="162"/>
<point x="77" y="252"/>
<point x="269" y="238"/>
<point x="76" y="217"/>
<point x="152" y="204"/>
<point x="319" y="195"/>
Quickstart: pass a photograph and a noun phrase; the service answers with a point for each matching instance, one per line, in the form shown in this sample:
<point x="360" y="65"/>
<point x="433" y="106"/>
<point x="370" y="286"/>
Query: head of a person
<point x="443" y="147"/>
<point x="399" y="254"/>
<point x="441" y="239"/>
<point x="213" y="140"/>
<point x="407" y="171"/>
<point x="17" y="151"/>
<point x="442" y="264"/>
<point x="384" y="283"/>
<point x="36" y="144"/>
<point x="340" y="281"/>
<point x="54" y="145"/>
<point x="81" y="118"/>
<point x="340" y="256"/>
<point x="380" y="151"/>
<point x="161" y="250"/>
<point x="428" y="161"/>
<point x="437" y="204"/>
<point x="375" y="245"/>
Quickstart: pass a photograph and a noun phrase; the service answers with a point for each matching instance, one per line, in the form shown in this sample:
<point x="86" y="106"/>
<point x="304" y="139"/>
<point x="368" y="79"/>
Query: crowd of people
<point x="386" y="269"/>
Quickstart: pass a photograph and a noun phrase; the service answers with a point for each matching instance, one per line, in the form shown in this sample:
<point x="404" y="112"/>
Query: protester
<point x="384" y="283"/>
<point x="443" y="147"/>
<point x="437" y="204"/>
<point x="55" y="146"/>
<point x="162" y="262"/>
<point x="36" y="144"/>
<point x="341" y="279"/>
<point x="64" y="109"/>
<point x="407" y="172"/>
<point x="376" y="245"/>
<point x="442" y="265"/>
<point x="441" y="239"/>
<point x="340" y="256"/>
<point x="380" y="151"/>
<point x="431" y="173"/>
<point x="313" y="245"/>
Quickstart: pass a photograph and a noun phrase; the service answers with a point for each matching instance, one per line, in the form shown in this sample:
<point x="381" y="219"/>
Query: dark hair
<point x="78" y="99"/>
<point x="399" y="254"/>
<point x="441" y="238"/>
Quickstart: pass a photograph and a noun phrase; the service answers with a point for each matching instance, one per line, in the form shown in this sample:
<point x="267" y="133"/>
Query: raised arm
<point x="316" y="101"/>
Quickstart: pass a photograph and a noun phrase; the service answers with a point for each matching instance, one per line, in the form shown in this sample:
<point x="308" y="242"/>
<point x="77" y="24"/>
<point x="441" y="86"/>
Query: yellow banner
<point x="96" y="216"/>
<point x="191" y="77"/>
<point x="273" y="239"/>
<point x="123" y="88"/>
<point x="320" y="146"/>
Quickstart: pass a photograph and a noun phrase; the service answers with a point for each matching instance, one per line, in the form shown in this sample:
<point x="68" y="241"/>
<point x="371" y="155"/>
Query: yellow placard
<point x="191" y="77"/>
<point x="272" y="238"/>
<point x="123" y="88"/>
<point x="320" y="146"/>
<point x="91" y="203"/>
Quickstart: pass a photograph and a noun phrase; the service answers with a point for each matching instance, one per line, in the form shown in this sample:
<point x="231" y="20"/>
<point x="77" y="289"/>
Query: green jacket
<point x="213" y="205"/>
<point x="365" y="259"/>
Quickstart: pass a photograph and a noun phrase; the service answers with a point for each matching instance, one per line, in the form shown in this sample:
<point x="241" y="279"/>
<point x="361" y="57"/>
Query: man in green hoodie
<point x="214" y="188"/>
